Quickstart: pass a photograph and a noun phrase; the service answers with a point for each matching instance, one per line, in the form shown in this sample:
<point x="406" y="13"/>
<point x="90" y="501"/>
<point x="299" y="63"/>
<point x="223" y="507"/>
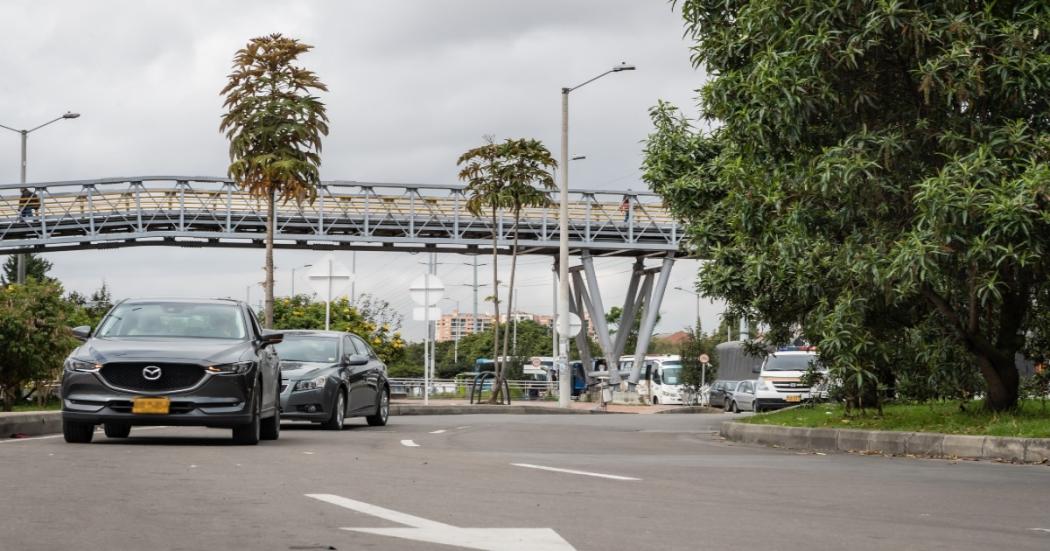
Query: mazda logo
<point x="151" y="373"/>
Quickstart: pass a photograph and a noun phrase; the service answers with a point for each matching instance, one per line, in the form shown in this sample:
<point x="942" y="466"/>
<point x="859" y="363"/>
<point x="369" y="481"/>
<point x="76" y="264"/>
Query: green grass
<point x="1032" y="420"/>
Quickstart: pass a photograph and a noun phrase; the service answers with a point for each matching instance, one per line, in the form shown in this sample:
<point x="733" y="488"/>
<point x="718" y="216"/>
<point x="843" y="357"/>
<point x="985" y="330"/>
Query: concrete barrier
<point x="927" y="444"/>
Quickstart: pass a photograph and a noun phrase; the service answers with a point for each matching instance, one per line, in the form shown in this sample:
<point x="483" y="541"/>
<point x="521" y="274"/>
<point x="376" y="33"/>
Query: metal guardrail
<point x="214" y="212"/>
<point x="463" y="388"/>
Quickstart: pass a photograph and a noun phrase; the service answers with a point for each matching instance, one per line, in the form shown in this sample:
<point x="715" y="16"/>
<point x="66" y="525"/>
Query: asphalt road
<point x="679" y="487"/>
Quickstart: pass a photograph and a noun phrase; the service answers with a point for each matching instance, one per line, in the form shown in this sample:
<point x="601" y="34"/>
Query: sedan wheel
<point x="382" y="411"/>
<point x="335" y="421"/>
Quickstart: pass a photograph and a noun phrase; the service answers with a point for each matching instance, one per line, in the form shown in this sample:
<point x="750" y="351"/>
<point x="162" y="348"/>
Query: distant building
<point x="458" y="325"/>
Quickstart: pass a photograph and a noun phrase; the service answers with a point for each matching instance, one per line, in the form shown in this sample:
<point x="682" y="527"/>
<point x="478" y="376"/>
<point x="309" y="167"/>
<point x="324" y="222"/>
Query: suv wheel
<point x="335" y="421"/>
<point x="271" y="427"/>
<point x="116" y="430"/>
<point x="77" y="433"/>
<point x="249" y="433"/>
<point x="382" y="413"/>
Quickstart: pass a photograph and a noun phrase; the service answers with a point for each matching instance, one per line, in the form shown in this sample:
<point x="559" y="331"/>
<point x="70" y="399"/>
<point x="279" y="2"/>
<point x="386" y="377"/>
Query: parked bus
<point x="660" y="378"/>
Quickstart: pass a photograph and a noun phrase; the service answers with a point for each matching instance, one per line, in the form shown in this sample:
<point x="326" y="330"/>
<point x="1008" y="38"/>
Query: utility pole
<point x="475" y="322"/>
<point x="353" y="281"/>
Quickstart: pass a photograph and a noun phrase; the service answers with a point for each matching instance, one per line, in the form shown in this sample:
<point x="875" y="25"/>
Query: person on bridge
<point x="625" y="208"/>
<point x="28" y="202"/>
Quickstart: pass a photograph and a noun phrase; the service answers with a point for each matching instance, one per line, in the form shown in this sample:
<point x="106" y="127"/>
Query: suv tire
<point x="250" y="432"/>
<point x="77" y="433"/>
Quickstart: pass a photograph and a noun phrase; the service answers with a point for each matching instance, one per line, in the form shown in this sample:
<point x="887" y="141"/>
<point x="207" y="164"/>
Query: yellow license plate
<point x="150" y="405"/>
<point x="793" y="398"/>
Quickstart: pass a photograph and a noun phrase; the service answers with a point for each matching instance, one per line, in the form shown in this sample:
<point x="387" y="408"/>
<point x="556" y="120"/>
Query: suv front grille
<point x="173" y="376"/>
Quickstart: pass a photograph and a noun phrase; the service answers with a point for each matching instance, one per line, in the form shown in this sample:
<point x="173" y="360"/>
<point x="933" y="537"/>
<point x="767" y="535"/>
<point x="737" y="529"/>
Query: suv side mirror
<point x="355" y="359"/>
<point x="269" y="338"/>
<point x="82" y="332"/>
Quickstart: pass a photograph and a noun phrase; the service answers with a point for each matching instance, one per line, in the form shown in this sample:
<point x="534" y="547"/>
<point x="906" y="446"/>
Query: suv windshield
<point x="792" y="362"/>
<point x="174" y="319"/>
<point x="296" y="348"/>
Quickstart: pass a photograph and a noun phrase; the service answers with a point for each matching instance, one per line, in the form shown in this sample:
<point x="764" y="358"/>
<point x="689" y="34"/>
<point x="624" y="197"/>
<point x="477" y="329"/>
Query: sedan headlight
<point x="82" y="366"/>
<point x="311" y="384"/>
<point x="238" y="367"/>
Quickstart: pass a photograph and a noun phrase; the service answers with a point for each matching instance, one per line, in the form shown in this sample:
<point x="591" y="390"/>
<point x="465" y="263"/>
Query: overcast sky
<point x="412" y="85"/>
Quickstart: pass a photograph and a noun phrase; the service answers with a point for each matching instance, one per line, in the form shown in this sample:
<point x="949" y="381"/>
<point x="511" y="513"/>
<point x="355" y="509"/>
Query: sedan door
<point x="363" y="392"/>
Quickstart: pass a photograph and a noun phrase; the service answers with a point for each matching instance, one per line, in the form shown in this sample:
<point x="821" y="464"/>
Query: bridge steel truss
<point x="348" y="215"/>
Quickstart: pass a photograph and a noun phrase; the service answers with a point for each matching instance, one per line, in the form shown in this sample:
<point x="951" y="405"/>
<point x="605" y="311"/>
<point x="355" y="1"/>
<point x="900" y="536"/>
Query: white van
<point x="660" y="379"/>
<point x="779" y="382"/>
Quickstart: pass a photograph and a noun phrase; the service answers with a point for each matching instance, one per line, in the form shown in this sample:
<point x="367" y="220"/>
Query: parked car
<point x="718" y="394"/>
<point x="742" y="397"/>
<point x="327" y="376"/>
<point x="173" y="362"/>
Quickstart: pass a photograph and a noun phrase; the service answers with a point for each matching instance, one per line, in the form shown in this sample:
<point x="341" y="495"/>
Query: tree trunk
<point x="496" y="366"/>
<point x="510" y="295"/>
<point x="8" y="395"/>
<point x="1001" y="377"/>
<point x="270" y="211"/>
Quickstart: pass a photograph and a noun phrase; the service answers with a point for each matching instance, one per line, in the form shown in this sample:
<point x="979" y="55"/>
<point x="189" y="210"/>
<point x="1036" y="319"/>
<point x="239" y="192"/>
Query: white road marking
<point x="1047" y="530"/>
<point x="437" y="431"/>
<point x="425" y="530"/>
<point x="99" y="430"/>
<point x="409" y="444"/>
<point x="571" y="471"/>
<point x="461" y="428"/>
<point x="308" y="453"/>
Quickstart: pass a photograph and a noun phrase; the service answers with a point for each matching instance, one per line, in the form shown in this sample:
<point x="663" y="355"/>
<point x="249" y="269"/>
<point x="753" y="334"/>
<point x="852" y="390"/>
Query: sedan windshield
<point x="308" y="349"/>
<point x="174" y="319"/>
<point x="793" y="362"/>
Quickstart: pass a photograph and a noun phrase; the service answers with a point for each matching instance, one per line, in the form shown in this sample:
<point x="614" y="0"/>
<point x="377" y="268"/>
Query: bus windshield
<point x="671" y="374"/>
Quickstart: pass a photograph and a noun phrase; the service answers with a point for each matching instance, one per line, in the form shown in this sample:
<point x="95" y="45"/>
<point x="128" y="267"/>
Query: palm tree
<point x="274" y="126"/>
<point x="482" y="173"/>
<point x="526" y="172"/>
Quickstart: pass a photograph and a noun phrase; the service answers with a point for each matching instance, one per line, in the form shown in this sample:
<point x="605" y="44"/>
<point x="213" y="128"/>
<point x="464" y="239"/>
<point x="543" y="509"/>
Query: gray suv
<point x="173" y="362"/>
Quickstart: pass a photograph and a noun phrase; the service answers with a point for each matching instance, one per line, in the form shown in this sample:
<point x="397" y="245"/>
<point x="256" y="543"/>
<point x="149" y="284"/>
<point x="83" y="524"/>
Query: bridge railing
<point x="209" y="208"/>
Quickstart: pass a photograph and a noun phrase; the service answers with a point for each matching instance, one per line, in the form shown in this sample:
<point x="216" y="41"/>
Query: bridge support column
<point x="652" y="311"/>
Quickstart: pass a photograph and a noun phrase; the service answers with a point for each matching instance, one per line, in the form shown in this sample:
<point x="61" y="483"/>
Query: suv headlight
<point x="238" y="367"/>
<point x="82" y="366"/>
<point x="766" y="385"/>
<point x="311" y="384"/>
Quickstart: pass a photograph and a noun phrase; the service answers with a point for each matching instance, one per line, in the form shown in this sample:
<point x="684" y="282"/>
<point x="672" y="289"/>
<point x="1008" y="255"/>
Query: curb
<point x="30" y="423"/>
<point x="689" y="409"/>
<point x="928" y="444"/>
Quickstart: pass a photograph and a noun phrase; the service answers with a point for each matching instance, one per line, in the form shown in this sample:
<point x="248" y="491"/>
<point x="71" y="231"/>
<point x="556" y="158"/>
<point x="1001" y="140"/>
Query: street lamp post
<point x="565" y="378"/>
<point x="697" y="295"/>
<point x="293" y="277"/>
<point x="21" y="274"/>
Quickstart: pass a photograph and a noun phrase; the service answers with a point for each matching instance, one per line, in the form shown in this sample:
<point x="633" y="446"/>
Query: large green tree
<point x="274" y="124"/>
<point x="877" y="176"/>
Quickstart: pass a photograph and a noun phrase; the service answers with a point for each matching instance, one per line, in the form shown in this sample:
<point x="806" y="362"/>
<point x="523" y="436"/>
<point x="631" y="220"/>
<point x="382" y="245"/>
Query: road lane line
<point x="377" y="511"/>
<point x="570" y="471"/>
<point x="461" y="428"/>
<point x="409" y="444"/>
<point x="437" y="431"/>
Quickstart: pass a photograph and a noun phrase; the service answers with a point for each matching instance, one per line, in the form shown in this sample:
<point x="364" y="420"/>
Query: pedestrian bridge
<point x="347" y="215"/>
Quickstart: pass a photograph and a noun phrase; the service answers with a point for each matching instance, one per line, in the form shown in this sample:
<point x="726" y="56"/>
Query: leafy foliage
<point x="694" y="374"/>
<point x="371" y="319"/>
<point x="879" y="179"/>
<point x="34" y="335"/>
<point x="90" y="310"/>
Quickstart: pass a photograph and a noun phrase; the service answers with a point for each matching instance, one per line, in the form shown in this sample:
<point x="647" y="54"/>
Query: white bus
<point x="660" y="378"/>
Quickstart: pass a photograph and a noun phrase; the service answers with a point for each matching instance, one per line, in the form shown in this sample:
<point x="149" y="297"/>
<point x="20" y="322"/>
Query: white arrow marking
<point x="437" y="431"/>
<point x="489" y="539"/>
<point x="570" y="471"/>
<point x="409" y="444"/>
<point x="1047" y="530"/>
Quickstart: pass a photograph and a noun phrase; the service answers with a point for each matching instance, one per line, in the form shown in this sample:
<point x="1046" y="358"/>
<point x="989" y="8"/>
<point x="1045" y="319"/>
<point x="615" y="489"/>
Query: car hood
<point x="302" y="370"/>
<point x="201" y="351"/>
